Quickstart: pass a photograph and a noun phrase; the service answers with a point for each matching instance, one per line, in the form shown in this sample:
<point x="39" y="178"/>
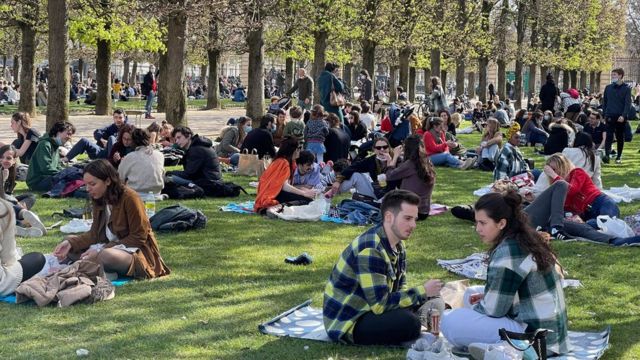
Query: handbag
<point x="336" y="98"/>
<point x="250" y="164"/>
<point x="537" y="340"/>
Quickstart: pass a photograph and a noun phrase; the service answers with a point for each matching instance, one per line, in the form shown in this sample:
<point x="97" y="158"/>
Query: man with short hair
<point x="200" y="161"/>
<point x="105" y="137"/>
<point x="261" y="139"/>
<point x="45" y="161"/>
<point x="304" y="86"/>
<point x="367" y="300"/>
<point x="309" y="174"/>
<point x="616" y="103"/>
<point x="110" y="132"/>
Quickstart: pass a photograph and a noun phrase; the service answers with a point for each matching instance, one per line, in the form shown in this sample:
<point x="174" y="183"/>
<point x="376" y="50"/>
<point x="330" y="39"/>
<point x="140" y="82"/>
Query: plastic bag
<point x="311" y="212"/>
<point x="614" y="226"/>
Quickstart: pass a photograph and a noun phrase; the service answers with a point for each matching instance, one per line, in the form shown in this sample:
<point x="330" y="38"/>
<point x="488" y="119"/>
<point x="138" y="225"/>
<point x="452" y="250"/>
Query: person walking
<point x="616" y="103"/>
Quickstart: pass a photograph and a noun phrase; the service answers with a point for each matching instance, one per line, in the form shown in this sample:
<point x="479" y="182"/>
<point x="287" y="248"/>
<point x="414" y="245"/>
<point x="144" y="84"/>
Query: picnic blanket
<point x="305" y="322"/>
<point x="475" y="266"/>
<point x="11" y="298"/>
<point x="623" y="194"/>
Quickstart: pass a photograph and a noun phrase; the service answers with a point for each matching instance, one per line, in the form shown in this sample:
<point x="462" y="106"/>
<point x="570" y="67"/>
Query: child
<point x="315" y="133"/>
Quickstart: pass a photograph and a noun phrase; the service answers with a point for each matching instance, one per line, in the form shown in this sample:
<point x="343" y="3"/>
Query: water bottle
<point x="87" y="210"/>
<point x="327" y="208"/>
<point x="150" y="204"/>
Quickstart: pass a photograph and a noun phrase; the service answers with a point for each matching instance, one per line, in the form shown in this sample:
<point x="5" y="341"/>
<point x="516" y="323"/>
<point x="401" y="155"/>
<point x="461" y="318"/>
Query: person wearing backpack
<point x="120" y="238"/>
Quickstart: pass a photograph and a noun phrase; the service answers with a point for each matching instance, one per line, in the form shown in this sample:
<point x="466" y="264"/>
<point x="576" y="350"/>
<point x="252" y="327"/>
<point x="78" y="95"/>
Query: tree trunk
<point x="592" y="81"/>
<point x="471" y="86"/>
<point x="483" y="63"/>
<point x="16" y="68"/>
<point x="81" y="69"/>
<point x="435" y="63"/>
<point x="460" y="72"/>
<point x="134" y="74"/>
<point x="125" y="74"/>
<point x="255" y="92"/>
<point x="427" y="80"/>
<point x="290" y="73"/>
<point x="103" y="77"/>
<point x="583" y="80"/>
<point x="502" y="80"/>
<point x="213" y="89"/>
<point x="162" y="81"/>
<point x="412" y="84"/>
<point x="556" y="76"/>
<point x="443" y="77"/>
<point x="517" y="91"/>
<point x="369" y="57"/>
<point x="347" y="75"/>
<point x="203" y="74"/>
<point x="28" y="72"/>
<point x="404" y="55"/>
<point x="574" y="78"/>
<point x="393" y="94"/>
<point x="58" y="99"/>
<point x="597" y="84"/>
<point x="533" y="75"/>
<point x="176" y="104"/>
<point x="319" y="55"/>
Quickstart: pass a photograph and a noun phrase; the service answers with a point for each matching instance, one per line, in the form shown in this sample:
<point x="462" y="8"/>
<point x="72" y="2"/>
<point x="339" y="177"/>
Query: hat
<point x="573" y="93"/>
<point x="513" y="129"/>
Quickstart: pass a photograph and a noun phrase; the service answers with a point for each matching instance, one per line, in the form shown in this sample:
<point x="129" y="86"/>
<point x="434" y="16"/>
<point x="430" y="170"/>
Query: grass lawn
<point x="75" y="107"/>
<point x="231" y="276"/>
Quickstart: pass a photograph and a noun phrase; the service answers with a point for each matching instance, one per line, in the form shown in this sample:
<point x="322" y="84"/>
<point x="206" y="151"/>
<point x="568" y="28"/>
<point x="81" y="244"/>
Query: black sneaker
<point x="302" y="259"/>
<point x="559" y="234"/>
<point x="464" y="212"/>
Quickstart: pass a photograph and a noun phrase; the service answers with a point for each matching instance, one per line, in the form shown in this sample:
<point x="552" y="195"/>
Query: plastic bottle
<point x="150" y="204"/>
<point x="87" y="211"/>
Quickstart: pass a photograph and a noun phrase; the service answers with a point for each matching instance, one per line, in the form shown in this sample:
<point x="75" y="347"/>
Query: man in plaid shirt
<point x="509" y="161"/>
<point x="366" y="300"/>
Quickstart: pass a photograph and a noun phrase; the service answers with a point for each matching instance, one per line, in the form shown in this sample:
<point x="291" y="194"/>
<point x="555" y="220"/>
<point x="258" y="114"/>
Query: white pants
<point x="464" y="326"/>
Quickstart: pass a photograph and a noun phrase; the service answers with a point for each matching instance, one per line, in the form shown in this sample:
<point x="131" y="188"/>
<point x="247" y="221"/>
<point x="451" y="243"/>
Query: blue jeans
<point x="602" y="205"/>
<point x="318" y="149"/>
<point x="180" y="181"/>
<point x="234" y="159"/>
<point x="149" y="105"/>
<point x="94" y="151"/>
<point x="445" y="159"/>
<point x="304" y="106"/>
<point x="535" y="138"/>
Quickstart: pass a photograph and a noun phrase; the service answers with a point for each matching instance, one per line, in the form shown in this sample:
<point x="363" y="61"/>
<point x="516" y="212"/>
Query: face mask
<point x="273" y="128"/>
<point x="547" y="117"/>
<point x="247" y="128"/>
<point x="58" y="141"/>
<point x="614" y="80"/>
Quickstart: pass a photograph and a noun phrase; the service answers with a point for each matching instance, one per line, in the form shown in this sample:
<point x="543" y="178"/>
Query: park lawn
<point x="80" y="107"/>
<point x="228" y="278"/>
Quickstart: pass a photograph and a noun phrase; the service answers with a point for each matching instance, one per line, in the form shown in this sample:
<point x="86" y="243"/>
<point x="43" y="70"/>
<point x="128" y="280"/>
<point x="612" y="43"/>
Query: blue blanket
<point x="11" y="299"/>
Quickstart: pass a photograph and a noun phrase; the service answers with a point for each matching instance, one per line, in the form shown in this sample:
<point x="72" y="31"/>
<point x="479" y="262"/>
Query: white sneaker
<point x="34" y="221"/>
<point x="468" y="163"/>
<point x="28" y="232"/>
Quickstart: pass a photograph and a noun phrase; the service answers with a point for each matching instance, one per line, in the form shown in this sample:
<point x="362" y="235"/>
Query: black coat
<point x="201" y="164"/>
<point x="337" y="143"/>
<point x="261" y="140"/>
<point x="548" y="94"/>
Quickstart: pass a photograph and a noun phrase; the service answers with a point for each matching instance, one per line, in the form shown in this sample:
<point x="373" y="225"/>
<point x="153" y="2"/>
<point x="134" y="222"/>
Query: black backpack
<point x="224" y="189"/>
<point x="179" y="192"/>
<point x="178" y="218"/>
<point x="172" y="157"/>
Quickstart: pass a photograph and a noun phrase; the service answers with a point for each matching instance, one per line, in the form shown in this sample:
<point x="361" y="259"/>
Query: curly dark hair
<point x="508" y="206"/>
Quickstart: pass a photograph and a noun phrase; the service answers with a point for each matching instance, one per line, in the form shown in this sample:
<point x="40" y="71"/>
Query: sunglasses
<point x="383" y="147"/>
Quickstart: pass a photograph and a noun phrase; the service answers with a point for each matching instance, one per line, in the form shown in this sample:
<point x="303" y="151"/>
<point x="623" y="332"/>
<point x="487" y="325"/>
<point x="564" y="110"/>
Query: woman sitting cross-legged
<point x="489" y="145"/>
<point x="275" y="183"/>
<point x="13" y="268"/>
<point x="438" y="148"/>
<point x="523" y="292"/>
<point x="121" y="228"/>
<point x="416" y="172"/>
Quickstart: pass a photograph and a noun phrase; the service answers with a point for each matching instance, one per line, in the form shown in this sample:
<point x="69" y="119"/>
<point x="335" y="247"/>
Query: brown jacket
<point x="130" y="224"/>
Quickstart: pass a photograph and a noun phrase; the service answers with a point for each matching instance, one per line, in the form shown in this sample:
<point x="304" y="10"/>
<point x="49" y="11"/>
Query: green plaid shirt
<point x="516" y="289"/>
<point x="369" y="276"/>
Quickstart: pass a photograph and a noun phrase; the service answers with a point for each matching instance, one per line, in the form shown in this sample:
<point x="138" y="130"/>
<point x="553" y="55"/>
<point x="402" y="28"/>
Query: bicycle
<point x="425" y="107"/>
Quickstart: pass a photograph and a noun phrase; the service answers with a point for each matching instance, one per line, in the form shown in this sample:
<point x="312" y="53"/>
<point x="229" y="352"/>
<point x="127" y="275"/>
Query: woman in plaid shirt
<point x="523" y="290"/>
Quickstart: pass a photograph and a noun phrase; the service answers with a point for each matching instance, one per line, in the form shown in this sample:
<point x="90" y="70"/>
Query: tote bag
<point x="336" y="98"/>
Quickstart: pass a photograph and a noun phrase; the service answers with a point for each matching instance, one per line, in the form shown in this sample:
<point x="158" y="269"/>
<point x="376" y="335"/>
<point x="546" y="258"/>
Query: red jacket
<point x="385" y="125"/>
<point x="431" y="146"/>
<point x="582" y="191"/>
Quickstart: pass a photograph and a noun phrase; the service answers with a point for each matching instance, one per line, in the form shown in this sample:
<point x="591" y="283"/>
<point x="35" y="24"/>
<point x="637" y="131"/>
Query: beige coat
<point x="143" y="170"/>
<point x="10" y="268"/>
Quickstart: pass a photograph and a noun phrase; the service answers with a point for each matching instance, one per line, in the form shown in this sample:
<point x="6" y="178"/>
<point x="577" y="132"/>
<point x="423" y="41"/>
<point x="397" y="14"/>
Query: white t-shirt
<point x="368" y="119"/>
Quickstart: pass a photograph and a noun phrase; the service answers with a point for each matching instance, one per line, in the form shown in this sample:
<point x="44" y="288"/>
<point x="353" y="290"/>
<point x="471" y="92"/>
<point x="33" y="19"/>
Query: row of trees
<point x="434" y="36"/>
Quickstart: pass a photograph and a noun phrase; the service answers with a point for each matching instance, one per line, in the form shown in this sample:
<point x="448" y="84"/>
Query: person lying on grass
<point x="13" y="268"/>
<point x="21" y="203"/>
<point x="275" y="186"/>
<point x="523" y="290"/>
<point x="120" y="237"/>
<point x="367" y="300"/>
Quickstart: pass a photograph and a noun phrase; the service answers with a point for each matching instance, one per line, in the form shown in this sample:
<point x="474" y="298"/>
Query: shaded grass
<point x="231" y="276"/>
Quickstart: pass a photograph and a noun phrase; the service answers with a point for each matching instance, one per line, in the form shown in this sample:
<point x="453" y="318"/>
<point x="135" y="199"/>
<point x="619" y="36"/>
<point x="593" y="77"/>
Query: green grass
<point x="78" y="108"/>
<point x="231" y="276"/>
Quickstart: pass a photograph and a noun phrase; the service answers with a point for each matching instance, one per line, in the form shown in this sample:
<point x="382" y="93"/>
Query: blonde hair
<point x="456" y="118"/>
<point x="562" y="164"/>
<point x="496" y="129"/>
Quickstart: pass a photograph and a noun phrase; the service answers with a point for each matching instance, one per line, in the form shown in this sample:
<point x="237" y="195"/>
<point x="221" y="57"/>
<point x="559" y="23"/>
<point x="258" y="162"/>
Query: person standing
<point x="366" y="93"/>
<point x="328" y="82"/>
<point x="149" y="89"/>
<point x="548" y="94"/>
<point x="304" y="86"/>
<point x="616" y="103"/>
